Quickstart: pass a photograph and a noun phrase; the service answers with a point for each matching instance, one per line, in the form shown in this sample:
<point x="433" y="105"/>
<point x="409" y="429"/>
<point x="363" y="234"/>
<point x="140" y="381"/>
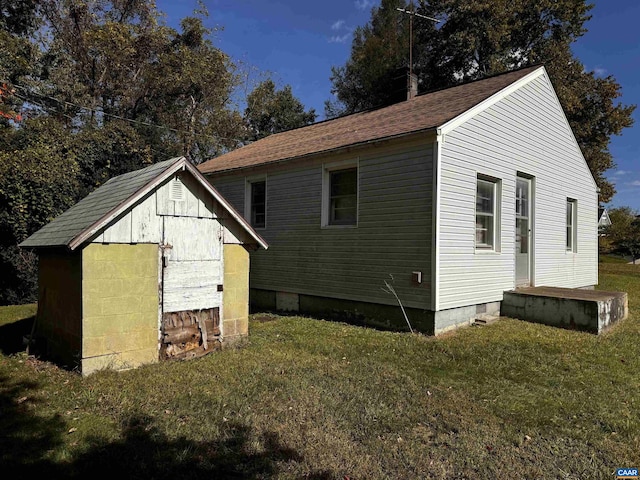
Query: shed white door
<point x="523" y="232"/>
<point x="192" y="267"/>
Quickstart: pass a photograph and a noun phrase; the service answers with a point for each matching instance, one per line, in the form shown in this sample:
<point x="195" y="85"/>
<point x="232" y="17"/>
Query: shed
<point x="152" y="265"/>
<point x="604" y="220"/>
<point x="453" y="197"/>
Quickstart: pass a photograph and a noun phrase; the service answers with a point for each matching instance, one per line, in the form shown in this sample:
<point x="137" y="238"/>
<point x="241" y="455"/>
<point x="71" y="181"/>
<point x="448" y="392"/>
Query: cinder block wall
<point x="235" y="302"/>
<point x="120" y="306"/>
<point x="59" y="317"/>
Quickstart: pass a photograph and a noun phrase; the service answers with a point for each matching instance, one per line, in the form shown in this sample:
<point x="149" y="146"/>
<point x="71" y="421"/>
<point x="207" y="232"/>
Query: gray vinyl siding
<point x="232" y="190"/>
<point x="393" y="235"/>
<point x="524" y="132"/>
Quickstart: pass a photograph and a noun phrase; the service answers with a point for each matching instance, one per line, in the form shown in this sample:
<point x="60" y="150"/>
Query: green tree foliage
<point x="476" y="38"/>
<point x="271" y="111"/>
<point x="117" y="59"/>
<point x="105" y="152"/>
<point x="379" y="49"/>
<point x="38" y="181"/>
<point x="105" y="87"/>
<point x="18" y="20"/>
<point x="623" y="235"/>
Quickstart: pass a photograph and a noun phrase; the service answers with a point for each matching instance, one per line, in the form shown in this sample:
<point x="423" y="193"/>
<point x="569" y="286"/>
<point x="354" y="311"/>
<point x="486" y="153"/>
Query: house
<point x="453" y="197"/>
<point x="152" y="265"/>
<point x="603" y="220"/>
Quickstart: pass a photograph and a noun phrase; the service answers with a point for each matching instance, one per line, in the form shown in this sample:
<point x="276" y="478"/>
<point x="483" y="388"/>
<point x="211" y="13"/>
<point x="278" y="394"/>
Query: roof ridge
<point x="425" y="112"/>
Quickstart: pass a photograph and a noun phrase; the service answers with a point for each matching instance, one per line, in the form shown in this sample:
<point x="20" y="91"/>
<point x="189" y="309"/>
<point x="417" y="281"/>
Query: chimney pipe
<point x="412" y="85"/>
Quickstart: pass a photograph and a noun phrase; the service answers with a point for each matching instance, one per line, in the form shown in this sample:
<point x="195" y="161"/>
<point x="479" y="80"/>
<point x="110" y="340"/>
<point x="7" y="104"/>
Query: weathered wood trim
<point x="180" y="164"/>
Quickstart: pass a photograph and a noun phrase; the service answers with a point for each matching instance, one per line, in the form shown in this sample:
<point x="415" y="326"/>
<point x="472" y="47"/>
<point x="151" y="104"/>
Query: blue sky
<point x="297" y="42"/>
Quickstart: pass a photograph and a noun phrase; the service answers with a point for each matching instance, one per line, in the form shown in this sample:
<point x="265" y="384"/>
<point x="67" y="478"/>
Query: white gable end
<point x="519" y="130"/>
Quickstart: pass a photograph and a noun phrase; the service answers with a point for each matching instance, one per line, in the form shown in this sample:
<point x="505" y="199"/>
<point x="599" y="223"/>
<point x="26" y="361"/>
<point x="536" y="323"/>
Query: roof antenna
<point x="412" y="83"/>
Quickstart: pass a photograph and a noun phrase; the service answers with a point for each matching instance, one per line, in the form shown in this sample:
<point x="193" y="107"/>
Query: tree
<point x="271" y="111"/>
<point x="114" y="59"/>
<point x="18" y="20"/>
<point x="476" y="38"/>
<point x="38" y="181"/>
<point x="378" y="50"/>
<point x="623" y="235"/>
<point x="105" y="88"/>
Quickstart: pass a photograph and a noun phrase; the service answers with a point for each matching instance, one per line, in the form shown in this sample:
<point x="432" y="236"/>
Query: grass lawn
<point x="612" y="259"/>
<point x="320" y="400"/>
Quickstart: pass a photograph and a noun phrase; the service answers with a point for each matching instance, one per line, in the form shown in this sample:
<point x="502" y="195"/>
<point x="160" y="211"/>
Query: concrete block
<point x="141" y="322"/>
<point x="449" y="319"/>
<point x="235" y="310"/>
<point x="493" y="308"/>
<point x="242" y="326"/>
<point x="148" y="304"/>
<point x="134" y="341"/>
<point x="91" y="306"/>
<point x="121" y="361"/>
<point x="113" y="306"/>
<point x="116" y="343"/>
<point x="229" y="328"/>
<point x="93" y="346"/>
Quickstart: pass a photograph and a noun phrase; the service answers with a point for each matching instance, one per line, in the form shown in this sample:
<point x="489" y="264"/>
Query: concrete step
<point x="579" y="309"/>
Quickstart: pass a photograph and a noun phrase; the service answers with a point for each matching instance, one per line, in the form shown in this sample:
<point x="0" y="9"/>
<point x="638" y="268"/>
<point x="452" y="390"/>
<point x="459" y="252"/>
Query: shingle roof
<point x="98" y="209"/>
<point x="425" y="112"/>
<point x="64" y="228"/>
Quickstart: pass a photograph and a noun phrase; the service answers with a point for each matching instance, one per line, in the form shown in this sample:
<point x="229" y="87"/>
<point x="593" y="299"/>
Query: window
<point x="340" y="205"/>
<point x="486" y="213"/>
<point x="571" y="225"/>
<point x="256" y="202"/>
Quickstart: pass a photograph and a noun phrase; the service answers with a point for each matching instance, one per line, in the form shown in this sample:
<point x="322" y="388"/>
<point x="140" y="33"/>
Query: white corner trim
<point x="488" y="102"/>
<point x="435" y="246"/>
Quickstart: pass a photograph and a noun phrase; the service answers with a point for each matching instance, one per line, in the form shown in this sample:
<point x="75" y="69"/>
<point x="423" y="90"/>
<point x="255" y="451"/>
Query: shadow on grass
<point x="28" y="441"/>
<point x="11" y="335"/>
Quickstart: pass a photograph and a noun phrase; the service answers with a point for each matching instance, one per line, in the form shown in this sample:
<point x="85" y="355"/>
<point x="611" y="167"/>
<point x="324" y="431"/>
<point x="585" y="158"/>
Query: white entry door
<point x="523" y="249"/>
<point x="192" y="265"/>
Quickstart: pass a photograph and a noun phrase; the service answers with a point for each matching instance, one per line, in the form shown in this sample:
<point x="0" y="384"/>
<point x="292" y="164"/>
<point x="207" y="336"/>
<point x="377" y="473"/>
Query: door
<point x="523" y="249"/>
<point x="192" y="278"/>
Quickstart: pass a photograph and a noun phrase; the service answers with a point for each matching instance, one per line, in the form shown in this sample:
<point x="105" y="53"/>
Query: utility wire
<point x="139" y="122"/>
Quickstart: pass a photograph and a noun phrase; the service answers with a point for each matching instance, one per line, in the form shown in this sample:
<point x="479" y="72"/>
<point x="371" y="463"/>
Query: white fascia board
<point x="220" y="199"/>
<point x="488" y="102"/>
<point x="130" y="202"/>
<point x="181" y="164"/>
<point x="496" y="97"/>
<point x="564" y="116"/>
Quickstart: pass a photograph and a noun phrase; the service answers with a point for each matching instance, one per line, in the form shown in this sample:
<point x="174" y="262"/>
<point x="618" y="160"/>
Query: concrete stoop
<point x="588" y="310"/>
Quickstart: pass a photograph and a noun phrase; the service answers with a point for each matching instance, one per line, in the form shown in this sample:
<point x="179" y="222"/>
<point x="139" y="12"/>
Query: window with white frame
<point x="486" y="213"/>
<point x="340" y="195"/>
<point x="256" y="202"/>
<point x="571" y="225"/>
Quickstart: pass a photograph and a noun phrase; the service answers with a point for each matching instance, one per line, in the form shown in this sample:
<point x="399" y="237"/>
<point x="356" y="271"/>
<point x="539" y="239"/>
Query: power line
<point x="45" y="107"/>
<point x="112" y="115"/>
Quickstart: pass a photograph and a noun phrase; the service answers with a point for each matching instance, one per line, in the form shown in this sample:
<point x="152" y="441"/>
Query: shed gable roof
<point x="422" y="113"/>
<point x="94" y="212"/>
